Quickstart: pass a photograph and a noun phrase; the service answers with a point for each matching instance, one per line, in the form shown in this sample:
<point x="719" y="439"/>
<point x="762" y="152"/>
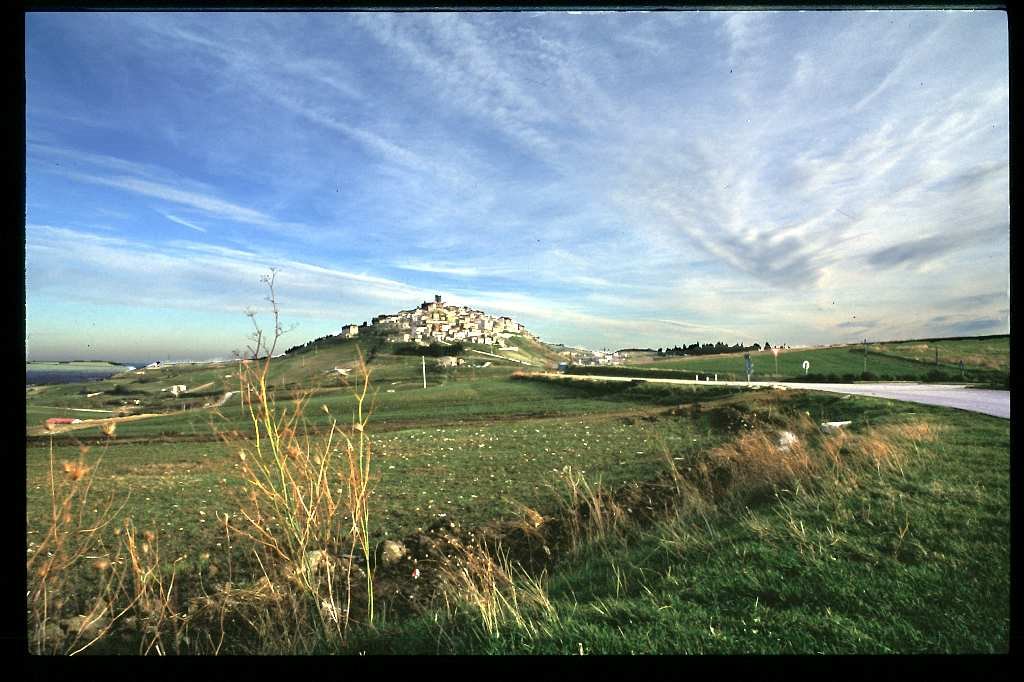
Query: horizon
<point x="607" y="179"/>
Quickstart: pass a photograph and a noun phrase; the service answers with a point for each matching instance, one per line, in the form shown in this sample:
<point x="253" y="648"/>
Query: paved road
<point x="985" y="401"/>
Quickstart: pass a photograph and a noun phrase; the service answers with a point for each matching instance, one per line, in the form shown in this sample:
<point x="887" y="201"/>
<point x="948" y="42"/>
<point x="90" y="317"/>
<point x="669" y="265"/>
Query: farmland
<point x="986" y="360"/>
<point x="480" y="446"/>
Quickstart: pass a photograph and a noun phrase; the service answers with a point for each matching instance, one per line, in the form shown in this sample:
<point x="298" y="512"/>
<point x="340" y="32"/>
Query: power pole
<point x="865" y="355"/>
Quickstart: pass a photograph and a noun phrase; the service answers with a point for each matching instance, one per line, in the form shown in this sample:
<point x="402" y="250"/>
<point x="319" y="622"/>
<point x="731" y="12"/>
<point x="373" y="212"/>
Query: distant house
<point x="349" y="330"/>
<point x="153" y="365"/>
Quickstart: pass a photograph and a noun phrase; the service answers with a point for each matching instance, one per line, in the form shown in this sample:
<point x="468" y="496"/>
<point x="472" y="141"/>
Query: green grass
<point x="461" y="395"/>
<point x="475" y="445"/>
<point x="883" y="360"/>
<point x="991" y="353"/>
<point x="898" y="564"/>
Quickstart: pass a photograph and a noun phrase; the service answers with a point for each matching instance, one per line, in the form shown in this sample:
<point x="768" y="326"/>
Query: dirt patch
<point x="90" y="423"/>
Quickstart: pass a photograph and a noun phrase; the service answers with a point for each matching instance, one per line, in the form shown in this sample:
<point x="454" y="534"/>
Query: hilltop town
<point x="437" y="322"/>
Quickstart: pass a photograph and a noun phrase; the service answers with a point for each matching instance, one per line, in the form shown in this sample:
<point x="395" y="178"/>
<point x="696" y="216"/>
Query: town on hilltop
<point x="434" y="321"/>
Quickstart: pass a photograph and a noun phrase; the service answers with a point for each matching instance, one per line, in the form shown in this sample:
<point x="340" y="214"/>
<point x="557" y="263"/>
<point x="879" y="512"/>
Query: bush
<point x="434" y="350"/>
<point x="868" y="376"/>
<point x="936" y="375"/>
<point x="121" y="389"/>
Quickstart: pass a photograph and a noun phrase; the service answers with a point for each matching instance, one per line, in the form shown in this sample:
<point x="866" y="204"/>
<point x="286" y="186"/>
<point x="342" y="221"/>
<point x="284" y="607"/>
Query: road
<point x="984" y="401"/>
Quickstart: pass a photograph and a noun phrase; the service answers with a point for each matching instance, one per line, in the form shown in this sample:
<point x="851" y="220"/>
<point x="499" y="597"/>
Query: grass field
<point x="911" y="563"/>
<point x="985" y="360"/>
<point x="909" y="560"/>
<point x="992" y="353"/>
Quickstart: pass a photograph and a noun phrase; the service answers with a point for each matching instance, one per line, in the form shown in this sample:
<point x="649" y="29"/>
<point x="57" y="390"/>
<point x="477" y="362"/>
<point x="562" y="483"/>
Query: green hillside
<point x="985" y="360"/>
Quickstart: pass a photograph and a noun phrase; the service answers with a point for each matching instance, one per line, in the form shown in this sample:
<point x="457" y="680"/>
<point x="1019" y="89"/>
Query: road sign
<point x="749" y="364"/>
<point x="807" y="366"/>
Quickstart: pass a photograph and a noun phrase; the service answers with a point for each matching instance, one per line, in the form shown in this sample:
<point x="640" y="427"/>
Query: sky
<point x="609" y="179"/>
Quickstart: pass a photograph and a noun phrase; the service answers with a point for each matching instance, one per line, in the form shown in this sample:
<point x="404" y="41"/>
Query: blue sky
<point x="609" y="179"/>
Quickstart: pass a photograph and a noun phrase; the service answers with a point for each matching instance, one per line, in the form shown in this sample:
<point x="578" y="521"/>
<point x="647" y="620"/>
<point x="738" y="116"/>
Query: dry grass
<point x="308" y="495"/>
<point x="590" y="511"/>
<point x="758" y="465"/>
<point x="58" y="623"/>
<point x="753" y="467"/>
<point x="306" y="510"/>
<point x="499" y="593"/>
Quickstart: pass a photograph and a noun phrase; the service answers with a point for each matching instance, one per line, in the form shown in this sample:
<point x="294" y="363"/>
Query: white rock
<point x="392" y="551"/>
<point x="787" y="439"/>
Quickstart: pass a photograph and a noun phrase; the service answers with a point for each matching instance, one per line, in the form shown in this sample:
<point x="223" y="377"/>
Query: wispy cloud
<point x="601" y="173"/>
<point x="440" y="269"/>
<point x="180" y="221"/>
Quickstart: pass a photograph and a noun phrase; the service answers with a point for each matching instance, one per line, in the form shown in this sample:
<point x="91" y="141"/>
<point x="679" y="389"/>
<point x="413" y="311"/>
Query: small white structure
<point x="177" y="389"/>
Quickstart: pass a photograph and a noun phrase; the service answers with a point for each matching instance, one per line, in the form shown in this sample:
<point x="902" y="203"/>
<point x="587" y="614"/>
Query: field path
<point x="93" y="423"/>
<point x="984" y="401"/>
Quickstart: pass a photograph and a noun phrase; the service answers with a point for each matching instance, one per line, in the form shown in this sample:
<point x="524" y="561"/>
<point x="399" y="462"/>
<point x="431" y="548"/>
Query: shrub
<point x="315" y="488"/>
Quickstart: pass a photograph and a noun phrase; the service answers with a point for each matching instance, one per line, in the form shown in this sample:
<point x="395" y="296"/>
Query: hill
<point x="985" y="360"/>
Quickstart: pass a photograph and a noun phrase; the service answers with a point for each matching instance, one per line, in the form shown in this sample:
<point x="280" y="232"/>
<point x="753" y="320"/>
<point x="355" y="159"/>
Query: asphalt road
<point x="984" y="401"/>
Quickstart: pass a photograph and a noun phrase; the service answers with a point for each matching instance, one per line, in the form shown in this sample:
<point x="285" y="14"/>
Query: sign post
<point x="807" y="366"/>
<point x="775" y="352"/>
<point x="865" y="355"/>
<point x="424" y="359"/>
<point x="749" y="365"/>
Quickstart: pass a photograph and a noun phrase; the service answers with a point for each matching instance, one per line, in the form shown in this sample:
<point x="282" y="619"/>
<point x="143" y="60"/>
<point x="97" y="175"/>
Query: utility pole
<point x="865" y="355"/>
<point x="936" y="357"/>
<point x="424" y="359"/>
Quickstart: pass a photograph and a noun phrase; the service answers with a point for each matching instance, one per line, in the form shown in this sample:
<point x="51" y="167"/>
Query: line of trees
<point x="711" y="348"/>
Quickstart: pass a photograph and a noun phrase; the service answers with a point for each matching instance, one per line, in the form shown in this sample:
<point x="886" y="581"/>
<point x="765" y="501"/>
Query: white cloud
<point x="180" y="221"/>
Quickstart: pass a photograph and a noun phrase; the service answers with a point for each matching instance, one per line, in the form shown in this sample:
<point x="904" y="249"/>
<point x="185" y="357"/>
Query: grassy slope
<point x="533" y="352"/>
<point x="909" y="564"/>
<point x="986" y="353"/>
<point x="980" y="356"/>
<point x="396" y="378"/>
